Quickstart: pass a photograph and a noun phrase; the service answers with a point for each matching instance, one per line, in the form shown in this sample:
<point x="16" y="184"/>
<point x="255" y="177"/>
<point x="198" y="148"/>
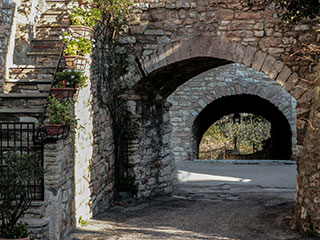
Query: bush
<point x="19" y="172"/>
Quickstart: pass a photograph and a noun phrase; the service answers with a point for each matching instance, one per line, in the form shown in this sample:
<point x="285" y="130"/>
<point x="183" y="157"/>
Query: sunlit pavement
<point x="265" y="175"/>
<point x="213" y="201"/>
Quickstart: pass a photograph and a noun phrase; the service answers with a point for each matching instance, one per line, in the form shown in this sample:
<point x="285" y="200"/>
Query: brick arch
<point x="189" y="101"/>
<point x="219" y="48"/>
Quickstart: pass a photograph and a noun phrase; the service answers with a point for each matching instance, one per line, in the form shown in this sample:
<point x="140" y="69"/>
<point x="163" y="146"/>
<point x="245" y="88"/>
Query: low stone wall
<point x="233" y="79"/>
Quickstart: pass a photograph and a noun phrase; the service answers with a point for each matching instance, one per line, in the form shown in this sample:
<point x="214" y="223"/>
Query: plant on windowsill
<point x="68" y="82"/>
<point x="19" y="172"/>
<point x="59" y="117"/>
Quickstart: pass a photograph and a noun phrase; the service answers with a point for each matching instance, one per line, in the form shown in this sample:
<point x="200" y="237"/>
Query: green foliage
<point x="82" y="16"/>
<point x="250" y="132"/>
<point x="18" y="174"/>
<point x="60" y="112"/>
<point x="83" y="222"/>
<point x="76" y="46"/>
<point x="114" y="15"/>
<point x="73" y="78"/>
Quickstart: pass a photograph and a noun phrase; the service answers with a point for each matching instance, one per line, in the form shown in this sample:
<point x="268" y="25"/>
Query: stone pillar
<point x="150" y="157"/>
<point x="83" y="143"/>
<point x="59" y="187"/>
<point x="307" y="208"/>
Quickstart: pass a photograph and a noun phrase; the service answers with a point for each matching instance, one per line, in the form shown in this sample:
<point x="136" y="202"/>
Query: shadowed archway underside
<point x="166" y="80"/>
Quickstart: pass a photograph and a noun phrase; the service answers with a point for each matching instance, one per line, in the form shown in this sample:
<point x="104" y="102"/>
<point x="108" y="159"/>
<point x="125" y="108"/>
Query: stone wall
<point x="59" y="187"/>
<point x="257" y="38"/>
<point x="233" y="79"/>
<point x="169" y="42"/>
<point x="6" y="17"/>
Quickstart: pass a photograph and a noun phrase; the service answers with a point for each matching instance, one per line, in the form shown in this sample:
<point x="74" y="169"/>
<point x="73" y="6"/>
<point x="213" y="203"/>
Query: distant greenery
<point x="250" y="132"/>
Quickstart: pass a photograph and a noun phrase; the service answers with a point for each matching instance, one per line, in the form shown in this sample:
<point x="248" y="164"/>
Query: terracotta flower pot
<point x="63" y="93"/>
<point x="81" y="31"/>
<point x="54" y="130"/>
<point x="76" y="62"/>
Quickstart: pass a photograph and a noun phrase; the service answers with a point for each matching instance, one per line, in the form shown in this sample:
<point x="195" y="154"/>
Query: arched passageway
<point x="232" y="88"/>
<point x="281" y="146"/>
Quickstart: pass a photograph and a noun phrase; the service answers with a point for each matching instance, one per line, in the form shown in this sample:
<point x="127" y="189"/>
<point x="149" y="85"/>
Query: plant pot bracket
<point x="56" y="132"/>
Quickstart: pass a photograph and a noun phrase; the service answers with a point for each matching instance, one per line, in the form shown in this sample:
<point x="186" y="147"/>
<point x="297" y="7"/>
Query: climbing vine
<point x="112" y="64"/>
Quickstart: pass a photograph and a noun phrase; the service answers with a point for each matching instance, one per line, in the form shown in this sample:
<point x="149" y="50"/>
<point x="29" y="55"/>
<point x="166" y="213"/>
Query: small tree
<point x="19" y="172"/>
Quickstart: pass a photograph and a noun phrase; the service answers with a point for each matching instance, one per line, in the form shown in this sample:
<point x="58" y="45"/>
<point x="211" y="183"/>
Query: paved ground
<point x="213" y="201"/>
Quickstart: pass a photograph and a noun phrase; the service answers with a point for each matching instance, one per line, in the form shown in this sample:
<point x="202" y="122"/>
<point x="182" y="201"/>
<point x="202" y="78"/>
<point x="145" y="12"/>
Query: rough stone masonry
<point x="169" y="42"/>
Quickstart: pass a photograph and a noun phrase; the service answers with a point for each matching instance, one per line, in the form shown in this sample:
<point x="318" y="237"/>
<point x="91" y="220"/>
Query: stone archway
<point x="196" y="97"/>
<point x="150" y="159"/>
<point x="203" y="53"/>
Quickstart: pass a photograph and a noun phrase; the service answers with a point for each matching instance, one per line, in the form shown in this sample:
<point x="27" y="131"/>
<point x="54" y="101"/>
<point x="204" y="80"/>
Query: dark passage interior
<point x="281" y="135"/>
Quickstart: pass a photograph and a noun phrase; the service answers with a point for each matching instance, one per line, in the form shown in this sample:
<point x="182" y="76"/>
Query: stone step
<point x="20" y="86"/>
<point x="32" y="72"/>
<point x="29" y="100"/>
<point x="45" y="52"/>
<point x="54" y="4"/>
<point x="59" y="17"/>
<point x="45" y="59"/>
<point x="20" y="114"/>
<point x="38" y="228"/>
<point x="45" y="46"/>
<point x="50" y="32"/>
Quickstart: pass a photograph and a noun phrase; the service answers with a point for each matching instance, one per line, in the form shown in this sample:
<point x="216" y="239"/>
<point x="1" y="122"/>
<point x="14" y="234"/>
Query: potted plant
<point x="67" y="83"/>
<point x="19" y="172"/>
<point x="59" y="116"/>
<point x="75" y="50"/>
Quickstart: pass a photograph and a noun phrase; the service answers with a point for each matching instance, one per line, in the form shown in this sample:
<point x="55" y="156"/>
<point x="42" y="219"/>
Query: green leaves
<point x="80" y="46"/>
<point x="250" y="133"/>
<point x="73" y="78"/>
<point x="82" y="16"/>
<point x="19" y="172"/>
<point x="60" y="112"/>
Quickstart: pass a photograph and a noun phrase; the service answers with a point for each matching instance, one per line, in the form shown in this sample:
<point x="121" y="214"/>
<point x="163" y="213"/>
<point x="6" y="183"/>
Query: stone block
<point x="258" y="60"/>
<point x="268" y="65"/>
<point x="249" y="55"/>
<point x="284" y="75"/>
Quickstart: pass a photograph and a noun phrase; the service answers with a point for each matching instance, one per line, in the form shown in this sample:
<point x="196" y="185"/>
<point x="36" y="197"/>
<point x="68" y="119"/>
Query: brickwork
<point x="233" y="79"/>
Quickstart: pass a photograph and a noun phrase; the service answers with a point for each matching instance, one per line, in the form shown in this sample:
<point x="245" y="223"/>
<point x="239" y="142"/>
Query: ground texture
<point x="199" y="210"/>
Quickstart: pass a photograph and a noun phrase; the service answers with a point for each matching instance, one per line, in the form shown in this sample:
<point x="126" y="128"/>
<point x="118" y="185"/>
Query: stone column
<point x="149" y="152"/>
<point x="307" y="208"/>
<point x="59" y="187"/>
